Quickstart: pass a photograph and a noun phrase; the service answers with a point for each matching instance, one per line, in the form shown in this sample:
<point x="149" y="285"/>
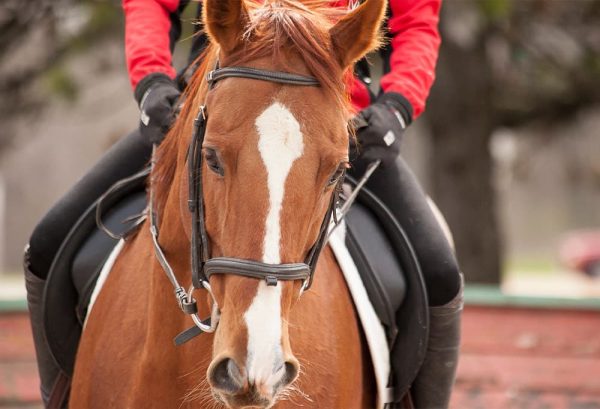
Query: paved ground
<point x="511" y="358"/>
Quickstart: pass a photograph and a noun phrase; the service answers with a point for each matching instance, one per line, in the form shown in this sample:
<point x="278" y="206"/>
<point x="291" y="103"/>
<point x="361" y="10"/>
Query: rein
<point x="202" y="265"/>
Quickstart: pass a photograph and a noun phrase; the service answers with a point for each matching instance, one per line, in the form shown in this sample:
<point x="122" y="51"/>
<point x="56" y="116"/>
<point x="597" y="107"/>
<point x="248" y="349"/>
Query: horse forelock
<point x="279" y="27"/>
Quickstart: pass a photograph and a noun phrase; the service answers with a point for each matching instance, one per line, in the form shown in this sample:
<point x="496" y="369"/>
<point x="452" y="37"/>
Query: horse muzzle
<point x="231" y="384"/>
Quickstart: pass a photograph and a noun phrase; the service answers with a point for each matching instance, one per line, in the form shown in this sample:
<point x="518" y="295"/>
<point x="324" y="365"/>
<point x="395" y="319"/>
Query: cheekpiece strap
<point x="315" y="251"/>
<point x="199" y="246"/>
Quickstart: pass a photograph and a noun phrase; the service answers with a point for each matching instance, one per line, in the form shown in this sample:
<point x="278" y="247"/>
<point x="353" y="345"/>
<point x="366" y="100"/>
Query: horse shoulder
<point x="326" y="335"/>
<point x="114" y="333"/>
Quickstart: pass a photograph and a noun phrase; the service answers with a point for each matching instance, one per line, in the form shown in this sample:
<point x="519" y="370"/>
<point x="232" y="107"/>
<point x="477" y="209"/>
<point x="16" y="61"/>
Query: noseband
<point x="203" y="266"/>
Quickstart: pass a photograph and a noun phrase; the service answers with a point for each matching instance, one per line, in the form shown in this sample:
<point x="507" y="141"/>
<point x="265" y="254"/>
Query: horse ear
<point x="225" y="22"/>
<point x="358" y="32"/>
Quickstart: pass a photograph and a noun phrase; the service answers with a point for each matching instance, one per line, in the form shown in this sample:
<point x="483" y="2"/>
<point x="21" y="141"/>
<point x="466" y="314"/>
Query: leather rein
<point x="202" y="265"/>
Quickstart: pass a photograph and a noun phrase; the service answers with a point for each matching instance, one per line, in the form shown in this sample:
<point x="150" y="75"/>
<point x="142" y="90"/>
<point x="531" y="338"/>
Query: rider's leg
<point x="398" y="188"/>
<point x="123" y="159"/>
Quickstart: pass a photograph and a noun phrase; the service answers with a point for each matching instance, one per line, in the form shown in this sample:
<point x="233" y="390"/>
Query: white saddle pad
<point x="374" y="331"/>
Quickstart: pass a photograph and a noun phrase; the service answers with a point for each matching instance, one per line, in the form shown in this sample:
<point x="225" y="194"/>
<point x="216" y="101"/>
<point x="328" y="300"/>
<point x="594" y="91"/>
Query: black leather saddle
<point x="392" y="277"/>
<point x="78" y="263"/>
<point x="378" y="245"/>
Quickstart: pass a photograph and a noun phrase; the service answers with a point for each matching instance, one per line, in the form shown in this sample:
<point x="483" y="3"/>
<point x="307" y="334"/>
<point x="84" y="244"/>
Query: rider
<point x="153" y="27"/>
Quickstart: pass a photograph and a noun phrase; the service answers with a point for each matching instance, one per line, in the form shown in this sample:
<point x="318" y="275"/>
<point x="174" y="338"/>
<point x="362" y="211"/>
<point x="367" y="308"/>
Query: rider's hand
<point x="157" y="95"/>
<point x="379" y="130"/>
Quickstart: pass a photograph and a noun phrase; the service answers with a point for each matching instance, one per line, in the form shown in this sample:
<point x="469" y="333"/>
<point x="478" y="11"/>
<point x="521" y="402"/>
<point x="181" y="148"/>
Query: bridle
<point x="202" y="265"/>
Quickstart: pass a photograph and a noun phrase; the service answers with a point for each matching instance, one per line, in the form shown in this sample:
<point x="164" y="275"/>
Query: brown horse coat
<point x="271" y="152"/>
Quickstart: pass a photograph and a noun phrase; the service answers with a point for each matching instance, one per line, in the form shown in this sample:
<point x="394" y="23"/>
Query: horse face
<point x="272" y="156"/>
<point x="271" y="163"/>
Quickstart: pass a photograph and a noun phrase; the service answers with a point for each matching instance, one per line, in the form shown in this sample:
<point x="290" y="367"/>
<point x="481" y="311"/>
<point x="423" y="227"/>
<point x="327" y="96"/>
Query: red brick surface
<point x="511" y="358"/>
<point x="529" y="359"/>
<point x="19" y="384"/>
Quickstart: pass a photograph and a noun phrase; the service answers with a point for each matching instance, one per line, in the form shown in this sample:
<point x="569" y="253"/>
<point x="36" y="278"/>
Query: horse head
<point x="272" y="157"/>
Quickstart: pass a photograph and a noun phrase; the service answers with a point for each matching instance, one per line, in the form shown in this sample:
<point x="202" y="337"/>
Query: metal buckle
<point x="201" y="114"/>
<point x="215" y="313"/>
<point x="304" y="286"/>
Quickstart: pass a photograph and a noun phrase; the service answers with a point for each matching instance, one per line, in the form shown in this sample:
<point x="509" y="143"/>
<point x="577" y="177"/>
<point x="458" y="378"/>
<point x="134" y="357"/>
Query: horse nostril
<point x="291" y="372"/>
<point x="226" y="376"/>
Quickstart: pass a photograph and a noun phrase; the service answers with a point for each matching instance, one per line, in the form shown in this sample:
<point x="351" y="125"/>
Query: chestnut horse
<point x="272" y="156"/>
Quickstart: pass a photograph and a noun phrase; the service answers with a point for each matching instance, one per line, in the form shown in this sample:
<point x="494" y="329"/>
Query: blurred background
<point x="509" y="148"/>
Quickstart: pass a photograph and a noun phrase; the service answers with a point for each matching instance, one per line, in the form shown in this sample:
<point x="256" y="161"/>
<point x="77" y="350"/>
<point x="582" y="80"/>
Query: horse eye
<point x="212" y="160"/>
<point x="337" y="175"/>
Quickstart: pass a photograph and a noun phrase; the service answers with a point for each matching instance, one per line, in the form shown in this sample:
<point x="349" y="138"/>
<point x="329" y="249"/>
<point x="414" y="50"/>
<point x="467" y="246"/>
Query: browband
<point x="261" y="75"/>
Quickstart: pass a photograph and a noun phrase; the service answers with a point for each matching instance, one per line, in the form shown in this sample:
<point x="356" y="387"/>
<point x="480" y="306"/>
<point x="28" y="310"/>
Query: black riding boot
<point x="48" y="370"/>
<point x="433" y="386"/>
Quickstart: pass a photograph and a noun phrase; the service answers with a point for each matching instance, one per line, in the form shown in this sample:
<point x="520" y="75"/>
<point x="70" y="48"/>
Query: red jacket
<point x="152" y="27"/>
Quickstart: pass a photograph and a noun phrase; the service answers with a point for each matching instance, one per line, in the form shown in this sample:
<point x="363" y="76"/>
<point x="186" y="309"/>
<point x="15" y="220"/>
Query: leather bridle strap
<point x="315" y="251"/>
<point x="199" y="245"/>
<point x="271" y="273"/>
<point x="261" y="75"/>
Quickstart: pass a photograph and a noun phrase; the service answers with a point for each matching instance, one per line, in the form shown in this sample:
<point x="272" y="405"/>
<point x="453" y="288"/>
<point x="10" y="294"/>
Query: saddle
<point x="392" y="278"/>
<point x="78" y="262"/>
<point x="378" y="245"/>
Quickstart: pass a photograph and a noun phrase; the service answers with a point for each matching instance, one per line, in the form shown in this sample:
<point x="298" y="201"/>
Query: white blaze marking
<point x="263" y="319"/>
<point x="280" y="144"/>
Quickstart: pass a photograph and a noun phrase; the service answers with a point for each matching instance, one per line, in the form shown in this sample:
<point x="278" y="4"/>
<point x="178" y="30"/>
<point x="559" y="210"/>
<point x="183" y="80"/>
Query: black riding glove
<point x="157" y="96"/>
<point x="380" y="127"/>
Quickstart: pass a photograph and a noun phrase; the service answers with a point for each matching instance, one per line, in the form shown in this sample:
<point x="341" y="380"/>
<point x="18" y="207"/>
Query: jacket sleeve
<point x="415" y="40"/>
<point x="148" y="32"/>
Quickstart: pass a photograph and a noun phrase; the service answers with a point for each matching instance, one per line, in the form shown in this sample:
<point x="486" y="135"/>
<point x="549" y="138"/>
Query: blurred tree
<point x="503" y="63"/>
<point x="22" y="23"/>
<point x="34" y="37"/>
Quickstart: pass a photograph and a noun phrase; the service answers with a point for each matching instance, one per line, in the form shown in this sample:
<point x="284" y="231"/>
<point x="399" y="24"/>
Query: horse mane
<point x="276" y="29"/>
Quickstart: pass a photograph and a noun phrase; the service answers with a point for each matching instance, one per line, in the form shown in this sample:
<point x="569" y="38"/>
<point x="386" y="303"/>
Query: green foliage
<point x="189" y="21"/>
<point x="105" y="19"/>
<point x="592" y="64"/>
<point x="495" y="10"/>
<point x="104" y="16"/>
<point x="59" y="83"/>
